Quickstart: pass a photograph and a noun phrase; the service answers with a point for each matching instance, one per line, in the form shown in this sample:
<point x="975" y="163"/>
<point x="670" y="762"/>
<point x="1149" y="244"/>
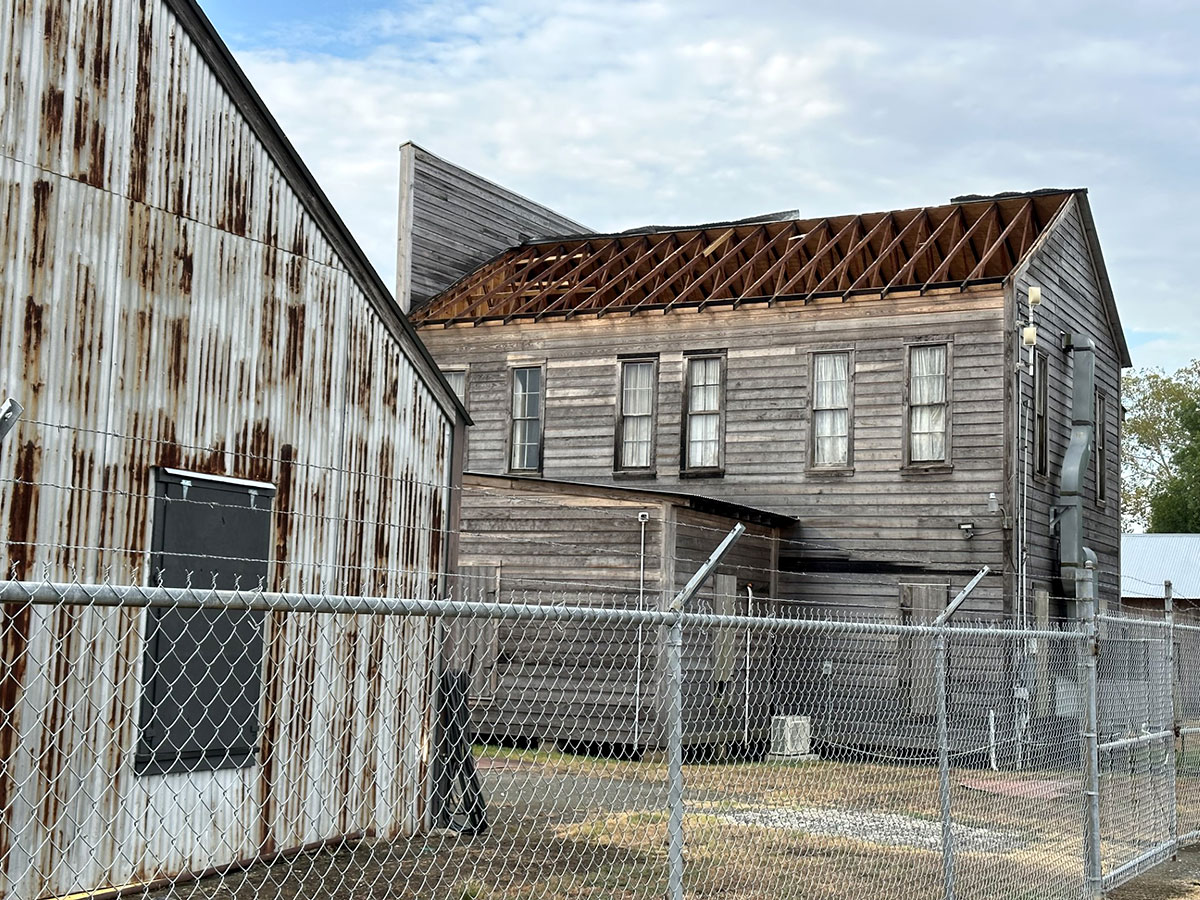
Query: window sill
<point x="927" y="469"/>
<point x="634" y="474"/>
<point x="526" y="472"/>
<point x="829" y="471"/>
<point x="701" y="473"/>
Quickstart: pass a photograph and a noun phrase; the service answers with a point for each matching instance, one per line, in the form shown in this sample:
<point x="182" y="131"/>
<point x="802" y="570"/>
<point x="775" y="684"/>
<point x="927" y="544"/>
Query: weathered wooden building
<point x="194" y="334"/>
<point x="874" y="376"/>
<point x="537" y="540"/>
<point x="862" y="373"/>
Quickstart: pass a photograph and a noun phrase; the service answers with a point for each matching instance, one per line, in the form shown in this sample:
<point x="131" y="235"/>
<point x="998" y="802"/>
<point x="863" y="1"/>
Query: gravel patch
<point x="890" y="829"/>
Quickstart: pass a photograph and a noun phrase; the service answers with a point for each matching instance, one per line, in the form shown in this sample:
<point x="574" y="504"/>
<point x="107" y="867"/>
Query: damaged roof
<point x="974" y="241"/>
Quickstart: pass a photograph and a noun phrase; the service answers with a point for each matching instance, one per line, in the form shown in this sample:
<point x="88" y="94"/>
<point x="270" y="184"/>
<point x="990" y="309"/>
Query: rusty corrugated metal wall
<point x="166" y="299"/>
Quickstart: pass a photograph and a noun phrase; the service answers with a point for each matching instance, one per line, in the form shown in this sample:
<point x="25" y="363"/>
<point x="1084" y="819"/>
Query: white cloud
<point x="626" y="113"/>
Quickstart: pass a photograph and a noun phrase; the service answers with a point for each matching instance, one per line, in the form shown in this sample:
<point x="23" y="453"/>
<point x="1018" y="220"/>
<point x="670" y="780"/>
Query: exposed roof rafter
<point x="974" y="241"/>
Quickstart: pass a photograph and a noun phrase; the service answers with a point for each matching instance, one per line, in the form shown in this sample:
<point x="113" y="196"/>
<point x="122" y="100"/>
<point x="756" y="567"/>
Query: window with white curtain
<point x="635" y="445"/>
<point x="457" y="379"/>
<point x="702" y="438"/>
<point x="526" y="440"/>
<point x="831" y="410"/>
<point x="927" y="420"/>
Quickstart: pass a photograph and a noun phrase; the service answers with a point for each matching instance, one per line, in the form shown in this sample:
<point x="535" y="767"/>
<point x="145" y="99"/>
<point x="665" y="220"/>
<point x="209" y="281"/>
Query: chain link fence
<point x="237" y="695"/>
<point x="215" y="743"/>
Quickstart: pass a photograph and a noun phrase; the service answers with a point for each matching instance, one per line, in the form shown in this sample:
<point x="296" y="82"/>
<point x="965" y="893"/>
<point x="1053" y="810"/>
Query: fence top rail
<point x="1133" y="620"/>
<point x="135" y="596"/>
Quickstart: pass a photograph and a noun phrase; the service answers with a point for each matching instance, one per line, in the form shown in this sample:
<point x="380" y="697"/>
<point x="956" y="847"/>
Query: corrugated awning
<point x="974" y="241"/>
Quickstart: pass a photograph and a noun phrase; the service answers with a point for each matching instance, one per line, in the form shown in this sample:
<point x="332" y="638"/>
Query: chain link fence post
<point x="675" y="757"/>
<point x="1090" y="716"/>
<point x="675" y="713"/>
<point x="943" y="739"/>
<point x="1171" y="761"/>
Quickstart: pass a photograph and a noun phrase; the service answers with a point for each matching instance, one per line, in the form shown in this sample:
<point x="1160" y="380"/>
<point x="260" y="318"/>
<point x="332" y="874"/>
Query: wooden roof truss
<point x="952" y="246"/>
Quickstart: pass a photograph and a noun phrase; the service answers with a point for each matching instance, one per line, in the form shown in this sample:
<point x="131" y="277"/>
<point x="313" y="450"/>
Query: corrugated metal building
<point x="181" y="306"/>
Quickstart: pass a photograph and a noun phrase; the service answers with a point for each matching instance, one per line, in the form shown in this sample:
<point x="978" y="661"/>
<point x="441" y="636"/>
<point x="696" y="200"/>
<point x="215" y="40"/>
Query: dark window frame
<point x="464" y="397"/>
<point x="686" y="469"/>
<point x="811" y="464"/>
<point x="620" y="468"/>
<point x="465" y="372"/>
<point x="1101" y="445"/>
<point x="1041" y="414"/>
<point x="509" y="444"/>
<point x="932" y="466"/>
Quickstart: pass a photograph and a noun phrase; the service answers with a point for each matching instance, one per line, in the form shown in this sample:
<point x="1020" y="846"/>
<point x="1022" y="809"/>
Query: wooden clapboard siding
<point x="1072" y="302"/>
<point x="581" y="544"/>
<point x="564" y="682"/>
<point x="712" y="714"/>
<point x="452" y="221"/>
<point x="878" y="512"/>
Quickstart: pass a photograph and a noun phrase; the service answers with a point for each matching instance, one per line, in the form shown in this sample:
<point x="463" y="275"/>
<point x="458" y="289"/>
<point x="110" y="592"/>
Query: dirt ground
<point x="578" y="828"/>
<point x="1173" y="880"/>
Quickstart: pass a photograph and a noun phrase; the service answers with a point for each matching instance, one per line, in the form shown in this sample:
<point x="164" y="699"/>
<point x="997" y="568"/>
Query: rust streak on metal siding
<point x="283" y="510"/>
<point x="269" y="765"/>
<point x="22" y="509"/>
<point x="139" y="138"/>
<point x="292" y="353"/>
<point x="15" y="622"/>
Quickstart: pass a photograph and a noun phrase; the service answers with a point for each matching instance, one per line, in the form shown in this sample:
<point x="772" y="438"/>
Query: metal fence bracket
<point x="9" y="413"/>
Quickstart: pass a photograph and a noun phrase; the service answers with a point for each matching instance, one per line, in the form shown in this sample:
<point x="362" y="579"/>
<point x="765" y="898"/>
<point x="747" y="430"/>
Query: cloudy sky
<point x="620" y="113"/>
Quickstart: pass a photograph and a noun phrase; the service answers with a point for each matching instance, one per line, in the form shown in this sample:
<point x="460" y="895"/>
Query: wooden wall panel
<point x="452" y="221"/>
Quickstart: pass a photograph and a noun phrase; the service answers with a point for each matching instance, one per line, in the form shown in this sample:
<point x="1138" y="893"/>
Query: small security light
<point x="968" y="529"/>
<point x="993" y="503"/>
<point x="1035" y="295"/>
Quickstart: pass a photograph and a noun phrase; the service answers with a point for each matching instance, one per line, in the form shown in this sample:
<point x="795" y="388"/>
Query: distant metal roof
<point x="1147" y="560"/>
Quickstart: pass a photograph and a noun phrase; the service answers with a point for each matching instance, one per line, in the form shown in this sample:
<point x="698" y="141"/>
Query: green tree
<point x="1155" y="434"/>
<point x="1175" y="503"/>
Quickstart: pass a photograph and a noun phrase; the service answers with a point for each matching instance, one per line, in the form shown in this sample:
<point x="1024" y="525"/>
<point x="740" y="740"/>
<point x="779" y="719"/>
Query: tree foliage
<point x="1160" y="449"/>
<point x="1175" y="503"/>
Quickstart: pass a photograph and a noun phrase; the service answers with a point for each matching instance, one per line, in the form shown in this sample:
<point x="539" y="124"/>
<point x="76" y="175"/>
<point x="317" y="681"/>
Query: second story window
<point x="831" y="410"/>
<point x="928" y="423"/>
<point x="703" y="399"/>
<point x="526" y="439"/>
<point x="457" y="379"/>
<point x="635" y="428"/>
<point x="1041" y="401"/>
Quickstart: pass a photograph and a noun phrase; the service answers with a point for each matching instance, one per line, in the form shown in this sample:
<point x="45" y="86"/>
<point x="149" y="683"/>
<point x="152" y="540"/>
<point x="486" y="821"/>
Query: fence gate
<point x="1136" y="742"/>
